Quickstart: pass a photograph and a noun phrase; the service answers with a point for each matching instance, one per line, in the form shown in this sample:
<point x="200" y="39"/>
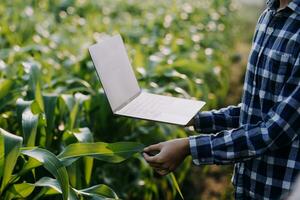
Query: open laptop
<point x="125" y="96"/>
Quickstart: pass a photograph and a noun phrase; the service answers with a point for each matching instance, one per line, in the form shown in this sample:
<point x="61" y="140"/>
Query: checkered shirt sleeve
<point x="277" y="129"/>
<point x="217" y="120"/>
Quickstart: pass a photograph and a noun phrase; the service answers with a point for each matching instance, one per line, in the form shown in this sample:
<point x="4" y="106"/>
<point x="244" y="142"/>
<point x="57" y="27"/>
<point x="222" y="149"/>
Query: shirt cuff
<point x="203" y="121"/>
<point x="201" y="149"/>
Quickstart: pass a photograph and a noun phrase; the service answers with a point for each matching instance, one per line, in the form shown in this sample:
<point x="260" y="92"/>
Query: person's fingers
<point x="162" y="172"/>
<point x="155" y="165"/>
<point x="160" y="169"/>
<point x="172" y="168"/>
<point x="154" y="147"/>
<point x="150" y="159"/>
<point x="159" y="165"/>
<point x="162" y="165"/>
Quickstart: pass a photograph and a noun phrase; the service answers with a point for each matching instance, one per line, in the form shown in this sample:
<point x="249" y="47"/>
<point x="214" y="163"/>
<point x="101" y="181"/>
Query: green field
<point x="58" y="137"/>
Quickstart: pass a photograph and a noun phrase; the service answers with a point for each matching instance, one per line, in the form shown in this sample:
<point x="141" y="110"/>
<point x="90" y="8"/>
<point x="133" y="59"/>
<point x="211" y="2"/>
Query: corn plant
<point x="12" y="150"/>
<point x="71" y="169"/>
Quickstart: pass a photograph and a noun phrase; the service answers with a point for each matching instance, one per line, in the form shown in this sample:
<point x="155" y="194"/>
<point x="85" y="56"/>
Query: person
<point x="261" y="134"/>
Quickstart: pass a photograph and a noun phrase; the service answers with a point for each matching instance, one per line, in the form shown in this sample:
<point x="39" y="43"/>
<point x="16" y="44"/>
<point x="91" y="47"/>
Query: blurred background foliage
<point x="183" y="48"/>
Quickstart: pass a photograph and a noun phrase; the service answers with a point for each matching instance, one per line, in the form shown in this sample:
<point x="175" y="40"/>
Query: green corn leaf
<point x="81" y="98"/>
<point x="12" y="144"/>
<point x="21" y="106"/>
<point x="29" y="165"/>
<point x="49" y="182"/>
<point x="72" y="194"/>
<point x="69" y="100"/>
<point x="21" y="190"/>
<point x="50" y="101"/>
<point x="171" y="177"/>
<point x="51" y="186"/>
<point x="5" y="87"/>
<point x="79" y="81"/>
<point x="73" y="115"/>
<point x="85" y="165"/>
<point x="75" y="174"/>
<point x="37" y="105"/>
<point x="96" y="192"/>
<point x="71" y="83"/>
<point x="84" y="135"/>
<point x="29" y="125"/>
<point x="2" y="154"/>
<point x="33" y="68"/>
<point x="9" y="100"/>
<point x="99" y="192"/>
<point x="74" y="104"/>
<point x="52" y="164"/>
<point x="108" y="152"/>
<point x="73" y="107"/>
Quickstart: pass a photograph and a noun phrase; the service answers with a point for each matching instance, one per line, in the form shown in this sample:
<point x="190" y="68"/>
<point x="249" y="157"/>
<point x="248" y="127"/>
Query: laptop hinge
<point x="127" y="102"/>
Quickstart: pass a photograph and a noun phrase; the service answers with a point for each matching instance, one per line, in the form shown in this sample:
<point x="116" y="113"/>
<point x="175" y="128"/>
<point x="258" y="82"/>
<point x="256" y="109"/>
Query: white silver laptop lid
<point x="115" y="71"/>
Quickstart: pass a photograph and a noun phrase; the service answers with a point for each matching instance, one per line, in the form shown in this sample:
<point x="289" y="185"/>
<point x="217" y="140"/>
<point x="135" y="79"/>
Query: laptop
<point x="125" y="96"/>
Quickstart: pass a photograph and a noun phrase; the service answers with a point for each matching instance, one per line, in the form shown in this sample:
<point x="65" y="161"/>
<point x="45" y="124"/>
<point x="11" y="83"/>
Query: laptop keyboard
<point x="145" y="105"/>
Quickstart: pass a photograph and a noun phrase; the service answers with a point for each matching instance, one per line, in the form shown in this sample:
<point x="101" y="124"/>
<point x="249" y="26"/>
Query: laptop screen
<point x="114" y="70"/>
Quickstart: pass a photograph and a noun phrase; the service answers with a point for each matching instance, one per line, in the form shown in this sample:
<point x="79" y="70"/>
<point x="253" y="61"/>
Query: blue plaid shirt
<point x="260" y="135"/>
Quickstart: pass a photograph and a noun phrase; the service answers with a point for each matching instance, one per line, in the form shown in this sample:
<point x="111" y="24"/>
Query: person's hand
<point x="169" y="155"/>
